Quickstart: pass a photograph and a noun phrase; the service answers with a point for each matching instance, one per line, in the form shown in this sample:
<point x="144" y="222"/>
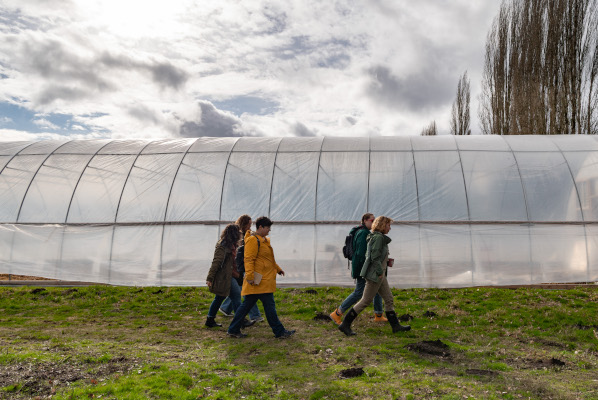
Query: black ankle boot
<point x="210" y="323"/>
<point x="394" y="322"/>
<point x="345" y="326"/>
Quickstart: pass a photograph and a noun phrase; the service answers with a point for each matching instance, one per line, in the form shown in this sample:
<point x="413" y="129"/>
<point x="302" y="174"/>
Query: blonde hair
<point x="380" y="223"/>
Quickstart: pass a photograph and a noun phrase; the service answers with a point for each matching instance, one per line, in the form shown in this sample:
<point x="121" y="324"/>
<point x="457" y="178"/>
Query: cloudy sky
<point x="169" y="69"/>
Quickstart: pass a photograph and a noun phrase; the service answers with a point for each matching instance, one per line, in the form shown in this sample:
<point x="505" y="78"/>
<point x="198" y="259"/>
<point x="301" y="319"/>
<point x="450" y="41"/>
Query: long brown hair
<point x="230" y="236"/>
<point x="365" y="217"/>
<point x="243" y="221"/>
<point x="380" y="223"/>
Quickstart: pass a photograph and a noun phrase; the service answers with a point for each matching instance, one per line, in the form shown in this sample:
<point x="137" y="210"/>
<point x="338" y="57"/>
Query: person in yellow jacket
<point x="260" y="281"/>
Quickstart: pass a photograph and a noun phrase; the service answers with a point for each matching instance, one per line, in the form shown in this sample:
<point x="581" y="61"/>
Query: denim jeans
<point x="235" y="298"/>
<point x="357" y="295"/>
<point x="267" y="300"/>
<point x="227" y="306"/>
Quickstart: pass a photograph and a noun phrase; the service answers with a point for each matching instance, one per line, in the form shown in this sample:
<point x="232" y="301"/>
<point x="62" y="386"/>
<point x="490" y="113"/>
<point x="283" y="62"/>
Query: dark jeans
<point x="228" y="306"/>
<point x="235" y="300"/>
<point x="357" y="295"/>
<point x="267" y="300"/>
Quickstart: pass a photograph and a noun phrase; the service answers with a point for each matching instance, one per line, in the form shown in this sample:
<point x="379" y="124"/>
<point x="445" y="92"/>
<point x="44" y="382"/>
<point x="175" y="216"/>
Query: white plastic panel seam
<point x="13" y="156"/>
<point x="118" y="207"/>
<point x="521" y="179"/>
<point x="224" y="177"/>
<point x="47" y="200"/>
<point x="272" y="179"/>
<point x="585" y="233"/>
<point x="31" y="181"/>
<point x="464" y="184"/>
<point x="419" y="212"/>
<point x="166" y="208"/>
<point x="66" y="217"/>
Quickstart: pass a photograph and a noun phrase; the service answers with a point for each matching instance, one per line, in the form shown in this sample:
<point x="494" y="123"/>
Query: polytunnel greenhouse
<point x="473" y="210"/>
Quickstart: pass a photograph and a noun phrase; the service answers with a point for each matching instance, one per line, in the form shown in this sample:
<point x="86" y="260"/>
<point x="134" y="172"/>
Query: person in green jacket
<point x="374" y="271"/>
<point x="359" y="245"/>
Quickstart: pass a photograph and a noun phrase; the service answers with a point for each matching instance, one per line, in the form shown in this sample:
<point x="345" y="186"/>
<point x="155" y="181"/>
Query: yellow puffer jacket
<point x="262" y="262"/>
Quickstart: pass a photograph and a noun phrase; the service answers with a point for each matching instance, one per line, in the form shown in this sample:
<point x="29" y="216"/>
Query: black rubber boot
<point x="210" y="323"/>
<point x="345" y="326"/>
<point x="394" y="322"/>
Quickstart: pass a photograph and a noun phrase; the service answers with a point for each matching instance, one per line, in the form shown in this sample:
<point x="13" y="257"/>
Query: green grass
<point x="139" y="343"/>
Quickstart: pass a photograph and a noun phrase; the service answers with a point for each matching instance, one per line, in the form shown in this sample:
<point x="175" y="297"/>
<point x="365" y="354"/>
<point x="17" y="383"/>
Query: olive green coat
<point x="221" y="271"/>
<point x="376" y="256"/>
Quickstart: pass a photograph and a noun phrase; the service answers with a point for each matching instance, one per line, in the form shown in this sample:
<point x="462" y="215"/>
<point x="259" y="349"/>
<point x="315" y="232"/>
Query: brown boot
<point x="379" y="317"/>
<point x="336" y="316"/>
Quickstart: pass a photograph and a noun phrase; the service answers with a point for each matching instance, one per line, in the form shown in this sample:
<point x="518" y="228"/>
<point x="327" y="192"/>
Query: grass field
<point x="137" y="343"/>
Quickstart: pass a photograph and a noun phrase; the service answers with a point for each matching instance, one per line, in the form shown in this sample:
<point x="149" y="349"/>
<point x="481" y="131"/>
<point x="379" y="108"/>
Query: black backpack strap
<point x="258" y="242"/>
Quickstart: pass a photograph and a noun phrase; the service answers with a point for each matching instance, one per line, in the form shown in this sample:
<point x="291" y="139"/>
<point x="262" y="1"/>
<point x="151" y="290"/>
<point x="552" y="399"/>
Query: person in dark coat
<point x="360" y="245"/>
<point x="227" y="308"/>
<point x="374" y="271"/>
<point x="221" y="272"/>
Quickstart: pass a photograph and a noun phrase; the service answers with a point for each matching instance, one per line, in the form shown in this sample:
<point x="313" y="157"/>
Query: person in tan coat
<point x="260" y="281"/>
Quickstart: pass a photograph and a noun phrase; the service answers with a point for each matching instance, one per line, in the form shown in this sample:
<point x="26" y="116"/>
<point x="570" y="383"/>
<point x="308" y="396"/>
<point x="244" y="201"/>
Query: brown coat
<point x="221" y="271"/>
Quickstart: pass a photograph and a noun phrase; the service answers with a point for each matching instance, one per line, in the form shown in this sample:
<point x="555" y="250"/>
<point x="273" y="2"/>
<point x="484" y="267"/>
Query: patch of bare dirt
<point x="351" y="372"/>
<point x="536" y="363"/>
<point x="405" y="317"/>
<point x="481" y="372"/>
<point x="322" y="317"/>
<point x="430" y="347"/>
<point x="27" y="380"/>
<point x="443" y="372"/>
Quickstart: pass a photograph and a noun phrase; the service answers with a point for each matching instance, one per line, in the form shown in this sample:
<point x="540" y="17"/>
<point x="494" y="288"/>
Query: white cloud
<point x="45" y="124"/>
<point x="139" y="69"/>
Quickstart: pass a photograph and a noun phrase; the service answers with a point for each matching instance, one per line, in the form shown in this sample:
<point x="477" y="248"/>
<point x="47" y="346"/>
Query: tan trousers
<point x="371" y="288"/>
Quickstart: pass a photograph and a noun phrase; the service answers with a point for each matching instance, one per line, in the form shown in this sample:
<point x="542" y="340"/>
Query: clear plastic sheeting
<point x="549" y="187"/>
<point x="494" y="189"/>
<point x="478" y="210"/>
<point x="440" y="186"/>
<point x="14" y="183"/>
<point x="197" y="188"/>
<point x="12" y="148"/>
<point x="342" y="189"/>
<point x="82" y="147"/>
<point x="49" y="195"/>
<point x="247" y="185"/>
<point x="148" y="187"/>
<point x="100" y="188"/>
<point x="393" y="188"/>
<point x="292" y="196"/>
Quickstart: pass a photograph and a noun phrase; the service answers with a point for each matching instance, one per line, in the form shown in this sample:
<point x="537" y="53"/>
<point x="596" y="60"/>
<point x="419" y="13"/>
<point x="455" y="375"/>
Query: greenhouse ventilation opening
<point x="471" y="210"/>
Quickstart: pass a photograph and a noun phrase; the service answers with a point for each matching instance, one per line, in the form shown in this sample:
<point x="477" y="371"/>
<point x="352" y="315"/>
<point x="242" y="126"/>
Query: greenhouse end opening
<point x="468" y="210"/>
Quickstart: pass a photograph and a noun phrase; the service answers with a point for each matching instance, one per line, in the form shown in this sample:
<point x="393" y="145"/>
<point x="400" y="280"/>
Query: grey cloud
<point x="332" y="53"/>
<point x="60" y="64"/>
<point x="213" y="123"/>
<point x="278" y="21"/>
<point x="163" y="73"/>
<point x="167" y="74"/>
<point x="54" y="92"/>
<point x="349" y="120"/>
<point x="425" y="90"/>
<point x="143" y="113"/>
<point x="301" y="130"/>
